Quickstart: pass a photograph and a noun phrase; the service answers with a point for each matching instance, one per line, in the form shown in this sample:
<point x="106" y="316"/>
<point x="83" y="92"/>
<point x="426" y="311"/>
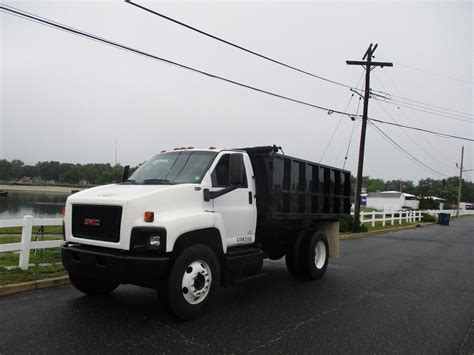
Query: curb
<point x="384" y="231"/>
<point x="33" y="285"/>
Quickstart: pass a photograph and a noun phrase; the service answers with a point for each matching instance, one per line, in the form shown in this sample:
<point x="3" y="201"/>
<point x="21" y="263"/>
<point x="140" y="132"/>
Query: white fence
<point x="26" y="244"/>
<point x="397" y="217"/>
<point x="390" y="217"/>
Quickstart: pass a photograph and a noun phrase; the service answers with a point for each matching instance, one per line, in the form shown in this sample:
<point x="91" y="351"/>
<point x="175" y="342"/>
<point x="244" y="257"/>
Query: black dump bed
<point x="296" y="189"/>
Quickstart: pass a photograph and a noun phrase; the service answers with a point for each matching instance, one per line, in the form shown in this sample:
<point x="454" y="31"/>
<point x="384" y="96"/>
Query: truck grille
<point x="96" y="222"/>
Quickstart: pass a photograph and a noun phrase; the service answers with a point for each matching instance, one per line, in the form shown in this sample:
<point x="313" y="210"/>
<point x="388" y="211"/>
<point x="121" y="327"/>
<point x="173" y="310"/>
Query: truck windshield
<point x="173" y="168"/>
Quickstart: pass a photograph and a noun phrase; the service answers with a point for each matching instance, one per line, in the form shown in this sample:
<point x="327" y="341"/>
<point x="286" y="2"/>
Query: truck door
<point x="237" y="208"/>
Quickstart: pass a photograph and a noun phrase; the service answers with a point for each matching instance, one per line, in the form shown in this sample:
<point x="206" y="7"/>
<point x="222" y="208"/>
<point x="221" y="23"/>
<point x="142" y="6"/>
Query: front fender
<point x="177" y="225"/>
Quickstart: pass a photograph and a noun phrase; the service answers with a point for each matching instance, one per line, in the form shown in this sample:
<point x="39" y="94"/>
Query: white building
<point x="466" y="206"/>
<point x="440" y="200"/>
<point x="392" y="200"/>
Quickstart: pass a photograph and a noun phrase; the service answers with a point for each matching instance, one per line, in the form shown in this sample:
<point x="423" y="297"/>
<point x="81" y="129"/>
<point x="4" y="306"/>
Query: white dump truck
<point x="190" y="220"/>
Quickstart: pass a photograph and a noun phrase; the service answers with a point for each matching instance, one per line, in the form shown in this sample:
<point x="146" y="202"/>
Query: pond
<point x="37" y="204"/>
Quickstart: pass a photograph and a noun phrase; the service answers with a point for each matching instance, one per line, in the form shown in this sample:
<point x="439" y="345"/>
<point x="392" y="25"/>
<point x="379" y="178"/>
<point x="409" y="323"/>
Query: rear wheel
<point x="293" y="257"/>
<point x="191" y="283"/>
<point x="309" y="255"/>
<point x="317" y="256"/>
<point x="90" y="286"/>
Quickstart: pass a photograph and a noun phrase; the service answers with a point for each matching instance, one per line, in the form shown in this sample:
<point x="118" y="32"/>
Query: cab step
<point x="249" y="278"/>
<point x="243" y="262"/>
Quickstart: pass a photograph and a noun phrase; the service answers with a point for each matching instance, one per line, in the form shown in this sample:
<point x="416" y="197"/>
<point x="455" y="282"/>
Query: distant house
<point x="466" y="206"/>
<point x="440" y="200"/>
<point x="391" y="200"/>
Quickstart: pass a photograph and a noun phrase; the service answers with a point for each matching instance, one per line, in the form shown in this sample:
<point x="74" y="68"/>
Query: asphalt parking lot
<point x="404" y="292"/>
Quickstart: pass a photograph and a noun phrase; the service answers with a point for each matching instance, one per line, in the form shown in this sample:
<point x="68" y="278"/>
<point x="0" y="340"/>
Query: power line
<point x="391" y="96"/>
<point x="220" y="39"/>
<point x="422" y="130"/>
<point x="340" y="120"/>
<point x="432" y="73"/>
<point x="350" y="137"/>
<point x="47" y="22"/>
<point x="420" y="163"/>
<point x="387" y="97"/>
<point x="421" y="102"/>
<point x="80" y="33"/>
<point x="422" y="136"/>
<point x="439" y="152"/>
<point x="412" y="140"/>
<point x="436" y="113"/>
<point x="443" y="111"/>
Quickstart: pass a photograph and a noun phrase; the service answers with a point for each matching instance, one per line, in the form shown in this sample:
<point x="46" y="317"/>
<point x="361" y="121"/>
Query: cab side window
<point x="220" y="175"/>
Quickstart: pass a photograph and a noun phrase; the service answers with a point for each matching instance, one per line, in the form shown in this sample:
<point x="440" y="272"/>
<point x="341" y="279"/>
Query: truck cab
<point x="184" y="223"/>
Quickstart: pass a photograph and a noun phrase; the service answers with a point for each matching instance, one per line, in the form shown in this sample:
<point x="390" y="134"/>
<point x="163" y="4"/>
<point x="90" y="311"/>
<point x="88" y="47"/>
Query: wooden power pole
<point x="368" y="65"/>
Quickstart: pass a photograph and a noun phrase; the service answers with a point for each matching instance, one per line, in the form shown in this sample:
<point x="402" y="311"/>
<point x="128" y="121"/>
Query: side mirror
<point x="236" y="171"/>
<point x="126" y="169"/>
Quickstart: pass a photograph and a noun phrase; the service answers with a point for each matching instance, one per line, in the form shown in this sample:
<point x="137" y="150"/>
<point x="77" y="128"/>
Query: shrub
<point x="346" y="224"/>
<point x="428" y="218"/>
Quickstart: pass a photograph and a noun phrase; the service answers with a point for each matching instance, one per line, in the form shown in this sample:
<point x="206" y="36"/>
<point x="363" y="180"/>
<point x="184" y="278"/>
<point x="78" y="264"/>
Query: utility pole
<point x="460" y="180"/>
<point x="368" y="65"/>
<point x="115" y="150"/>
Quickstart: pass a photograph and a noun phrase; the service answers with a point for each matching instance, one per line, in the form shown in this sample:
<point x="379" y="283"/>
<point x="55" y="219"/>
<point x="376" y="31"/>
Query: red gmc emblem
<point x="92" y="222"/>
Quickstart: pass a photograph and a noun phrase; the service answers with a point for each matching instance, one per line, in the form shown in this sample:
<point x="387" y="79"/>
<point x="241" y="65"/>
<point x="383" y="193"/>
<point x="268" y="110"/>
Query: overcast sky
<point x="68" y="99"/>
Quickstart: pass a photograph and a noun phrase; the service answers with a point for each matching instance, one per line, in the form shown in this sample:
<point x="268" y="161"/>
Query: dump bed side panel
<point x="294" y="189"/>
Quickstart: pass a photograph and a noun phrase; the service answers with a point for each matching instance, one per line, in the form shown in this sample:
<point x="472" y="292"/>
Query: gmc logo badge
<point x="92" y="222"/>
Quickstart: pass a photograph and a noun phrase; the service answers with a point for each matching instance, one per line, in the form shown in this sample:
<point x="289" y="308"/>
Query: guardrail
<point x="390" y="217"/>
<point x="26" y="243"/>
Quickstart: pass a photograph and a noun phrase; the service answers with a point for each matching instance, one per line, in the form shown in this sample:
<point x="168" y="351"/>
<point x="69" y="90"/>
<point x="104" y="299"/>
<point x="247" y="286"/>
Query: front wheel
<point x="192" y="281"/>
<point x="92" y="287"/>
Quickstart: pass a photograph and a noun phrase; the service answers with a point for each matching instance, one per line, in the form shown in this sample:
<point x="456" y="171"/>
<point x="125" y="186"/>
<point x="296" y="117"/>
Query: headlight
<point x="155" y="241"/>
<point x="148" y="239"/>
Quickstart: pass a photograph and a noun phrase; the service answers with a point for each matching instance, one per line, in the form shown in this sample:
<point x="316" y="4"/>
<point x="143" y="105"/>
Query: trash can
<point x="443" y="219"/>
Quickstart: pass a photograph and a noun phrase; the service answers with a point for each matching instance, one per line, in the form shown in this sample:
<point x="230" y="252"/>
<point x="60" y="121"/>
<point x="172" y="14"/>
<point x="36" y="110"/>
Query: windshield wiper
<point x="156" y="181"/>
<point x="129" y="181"/>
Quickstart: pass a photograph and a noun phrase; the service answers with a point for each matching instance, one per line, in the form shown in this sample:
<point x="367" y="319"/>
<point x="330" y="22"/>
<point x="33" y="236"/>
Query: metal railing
<point x="26" y="244"/>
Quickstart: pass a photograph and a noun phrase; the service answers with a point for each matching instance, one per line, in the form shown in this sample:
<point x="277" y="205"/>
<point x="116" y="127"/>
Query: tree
<point x="49" y="170"/>
<point x="17" y="169"/>
<point x="5" y="169"/>
<point x="374" y="185"/>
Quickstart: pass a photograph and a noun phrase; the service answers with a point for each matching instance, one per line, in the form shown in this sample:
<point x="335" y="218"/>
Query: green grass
<point x="47" y="230"/>
<point x="369" y="209"/>
<point x="7" y="239"/>
<point x="378" y="226"/>
<point x="8" y="277"/>
<point x="50" y="255"/>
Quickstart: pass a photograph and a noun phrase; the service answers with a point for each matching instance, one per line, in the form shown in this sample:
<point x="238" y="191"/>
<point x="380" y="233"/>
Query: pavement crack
<point x="186" y="340"/>
<point x="285" y="332"/>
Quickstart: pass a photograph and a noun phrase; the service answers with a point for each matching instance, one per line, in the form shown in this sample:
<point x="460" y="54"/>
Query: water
<point x="37" y="204"/>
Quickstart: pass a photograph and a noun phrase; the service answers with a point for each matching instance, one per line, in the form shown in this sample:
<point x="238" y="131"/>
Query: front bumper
<point x="114" y="265"/>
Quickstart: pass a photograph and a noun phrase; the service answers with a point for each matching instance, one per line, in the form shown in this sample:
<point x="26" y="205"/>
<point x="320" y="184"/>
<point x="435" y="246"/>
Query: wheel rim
<point x="319" y="254"/>
<point x="196" y="283"/>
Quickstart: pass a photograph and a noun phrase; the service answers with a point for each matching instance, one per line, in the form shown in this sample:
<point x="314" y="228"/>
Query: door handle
<point x="250" y="197"/>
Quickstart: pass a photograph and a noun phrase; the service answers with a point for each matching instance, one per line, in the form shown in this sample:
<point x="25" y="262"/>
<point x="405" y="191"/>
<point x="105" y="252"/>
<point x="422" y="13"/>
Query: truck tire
<point x="293" y="258"/>
<point x="317" y="256"/>
<point x="194" y="277"/>
<point x="92" y="287"/>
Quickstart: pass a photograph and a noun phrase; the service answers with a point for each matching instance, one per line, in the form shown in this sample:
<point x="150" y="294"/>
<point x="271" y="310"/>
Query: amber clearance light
<point x="149" y="216"/>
